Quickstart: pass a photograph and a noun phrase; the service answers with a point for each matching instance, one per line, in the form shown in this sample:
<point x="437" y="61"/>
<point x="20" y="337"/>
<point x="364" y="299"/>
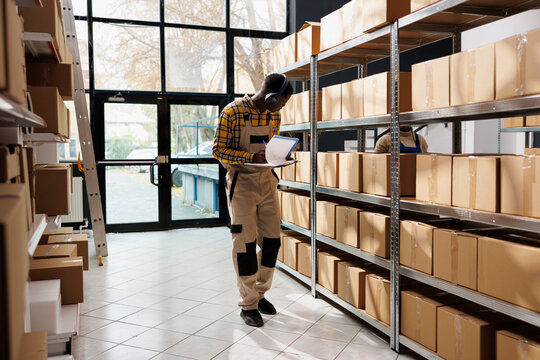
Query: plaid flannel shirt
<point x="227" y="137"/>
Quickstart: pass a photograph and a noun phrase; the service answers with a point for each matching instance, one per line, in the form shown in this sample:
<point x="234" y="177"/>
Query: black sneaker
<point x="266" y="307"/>
<point x="252" y="317"/>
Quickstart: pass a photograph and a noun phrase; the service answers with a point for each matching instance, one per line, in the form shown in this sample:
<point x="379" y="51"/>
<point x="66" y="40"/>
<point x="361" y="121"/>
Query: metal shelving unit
<point x="41" y="45"/>
<point x="384" y="263"/>
<point x="444" y="19"/>
<point x="498" y="305"/>
<point x="13" y="114"/>
<point x="40" y="138"/>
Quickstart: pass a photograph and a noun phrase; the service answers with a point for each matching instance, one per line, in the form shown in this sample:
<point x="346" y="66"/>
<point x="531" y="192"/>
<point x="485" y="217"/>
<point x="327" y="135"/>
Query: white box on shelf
<point x="45" y="305"/>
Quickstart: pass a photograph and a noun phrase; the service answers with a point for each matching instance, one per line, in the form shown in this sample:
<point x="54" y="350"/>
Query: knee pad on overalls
<point x="245" y="261"/>
<point x="270" y="251"/>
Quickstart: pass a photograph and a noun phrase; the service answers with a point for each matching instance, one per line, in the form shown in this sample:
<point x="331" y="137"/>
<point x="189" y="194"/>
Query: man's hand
<point x="260" y="157"/>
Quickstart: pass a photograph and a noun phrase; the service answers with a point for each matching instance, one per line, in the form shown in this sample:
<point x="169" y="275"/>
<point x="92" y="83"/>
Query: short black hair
<point x="274" y="81"/>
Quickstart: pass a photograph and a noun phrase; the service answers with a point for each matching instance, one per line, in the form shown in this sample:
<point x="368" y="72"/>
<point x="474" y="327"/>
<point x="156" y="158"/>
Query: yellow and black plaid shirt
<point x="227" y="138"/>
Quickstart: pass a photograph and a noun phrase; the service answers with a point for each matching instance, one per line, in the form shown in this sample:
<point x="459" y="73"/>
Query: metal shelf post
<point x="394" y="185"/>
<point x="314" y="74"/>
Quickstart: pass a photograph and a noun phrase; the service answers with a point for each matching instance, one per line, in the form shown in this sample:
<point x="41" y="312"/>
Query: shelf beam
<point x="13" y="114"/>
<point x="296" y="228"/>
<point x="294" y="273"/>
<point x="420" y="350"/>
<point x="474" y="296"/>
<point x="294" y="185"/>
<point x="359" y="313"/>
<point x="522" y="129"/>
<point x="385" y="263"/>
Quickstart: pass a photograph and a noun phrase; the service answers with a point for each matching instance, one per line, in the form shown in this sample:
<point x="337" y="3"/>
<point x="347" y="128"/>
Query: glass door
<point x="156" y="167"/>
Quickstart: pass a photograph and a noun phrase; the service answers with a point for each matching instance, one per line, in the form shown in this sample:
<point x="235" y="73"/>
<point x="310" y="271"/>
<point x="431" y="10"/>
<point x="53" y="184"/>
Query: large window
<point x="252" y="60"/>
<point x="126" y="57"/>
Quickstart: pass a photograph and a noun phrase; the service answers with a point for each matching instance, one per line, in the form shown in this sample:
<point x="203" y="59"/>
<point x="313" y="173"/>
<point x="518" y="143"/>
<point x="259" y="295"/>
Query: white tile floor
<point x="172" y="295"/>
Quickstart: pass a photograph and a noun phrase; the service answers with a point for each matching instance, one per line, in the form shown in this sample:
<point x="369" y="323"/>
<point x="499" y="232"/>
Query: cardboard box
<point x="420" y="4"/>
<point x="516" y="65"/>
<point x="287" y="206"/>
<point x="65" y="230"/>
<point x="285" y="52"/>
<point x="375" y="233"/>
<point x="472" y="76"/>
<point x="331" y="102"/>
<point x="53" y="75"/>
<point x="352" y="282"/>
<point x="53" y="189"/>
<point x="47" y="19"/>
<point x="303" y="211"/>
<point x="419" y="314"/>
<point x="416" y="245"/>
<point x="9" y="189"/>
<point x="81" y="240"/>
<point x="290" y="252"/>
<point x="328" y="169"/>
<point x="326" y="218"/>
<point x="431" y="84"/>
<point x="288" y="172"/>
<point x="283" y="236"/>
<point x="519" y="344"/>
<point x="55" y="251"/>
<point x="34" y="346"/>
<point x="531" y="151"/>
<point x="288" y="112"/>
<point x="463" y="332"/>
<point x="434" y="178"/>
<point x="377" y="13"/>
<point x="303" y="109"/>
<point x="10" y="164"/>
<point x="519" y="189"/>
<point x="13" y="269"/>
<point x="352" y="20"/>
<point x="332" y="29"/>
<point x="303" y="166"/>
<point x="509" y="271"/>
<point x="49" y="105"/>
<point x="327" y="270"/>
<point x="376" y="174"/>
<point x="347" y="225"/>
<point x="480" y="175"/>
<point x="455" y="257"/>
<point x="532" y="120"/>
<point x="378" y="298"/>
<point x="12" y="60"/>
<point x="518" y="121"/>
<point x="304" y="258"/>
<point x="352" y="99"/>
<point x="68" y="270"/>
<point x="350" y="171"/>
<point x="309" y="40"/>
<point x="377" y="90"/>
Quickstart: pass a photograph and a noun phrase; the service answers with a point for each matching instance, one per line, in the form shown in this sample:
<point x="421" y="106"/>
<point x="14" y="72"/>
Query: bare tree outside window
<point x="126" y="57"/>
<point x="270" y="15"/>
<point x="208" y="12"/>
<point x="147" y="10"/>
<point x="195" y="60"/>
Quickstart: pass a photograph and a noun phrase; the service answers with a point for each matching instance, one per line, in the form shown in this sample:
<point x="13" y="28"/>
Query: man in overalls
<point x="410" y="142"/>
<point x="244" y="127"/>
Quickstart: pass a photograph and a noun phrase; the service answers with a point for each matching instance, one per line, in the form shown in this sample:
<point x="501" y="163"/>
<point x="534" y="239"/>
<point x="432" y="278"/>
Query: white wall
<point x="481" y="136"/>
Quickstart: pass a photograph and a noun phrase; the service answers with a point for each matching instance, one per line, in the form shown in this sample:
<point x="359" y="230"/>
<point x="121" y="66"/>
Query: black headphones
<point x="272" y="98"/>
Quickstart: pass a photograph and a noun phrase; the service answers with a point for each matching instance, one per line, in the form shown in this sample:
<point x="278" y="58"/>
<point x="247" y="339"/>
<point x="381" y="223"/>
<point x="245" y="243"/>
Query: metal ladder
<point x="85" y="134"/>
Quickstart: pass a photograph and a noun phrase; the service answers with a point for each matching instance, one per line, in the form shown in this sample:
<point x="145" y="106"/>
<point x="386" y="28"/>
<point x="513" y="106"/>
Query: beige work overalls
<point x="255" y="218"/>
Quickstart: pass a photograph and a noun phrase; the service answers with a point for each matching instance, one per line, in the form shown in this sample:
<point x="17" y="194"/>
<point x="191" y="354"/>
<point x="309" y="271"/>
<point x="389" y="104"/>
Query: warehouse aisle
<point x="172" y="295"/>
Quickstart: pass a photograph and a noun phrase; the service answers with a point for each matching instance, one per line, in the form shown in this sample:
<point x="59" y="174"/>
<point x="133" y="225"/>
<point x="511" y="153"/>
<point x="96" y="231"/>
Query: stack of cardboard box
<point x="502" y="70"/>
<point x="50" y="83"/>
